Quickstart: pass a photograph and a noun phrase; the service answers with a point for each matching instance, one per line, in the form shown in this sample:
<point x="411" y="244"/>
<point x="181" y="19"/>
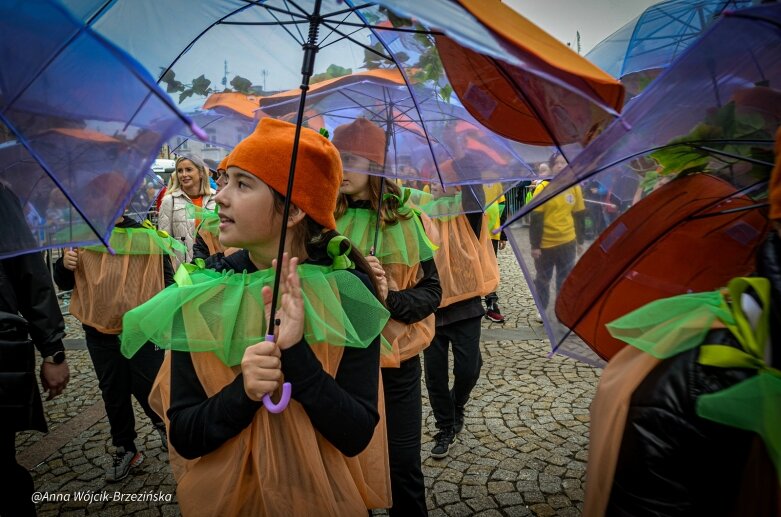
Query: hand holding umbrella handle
<point x="287" y="391"/>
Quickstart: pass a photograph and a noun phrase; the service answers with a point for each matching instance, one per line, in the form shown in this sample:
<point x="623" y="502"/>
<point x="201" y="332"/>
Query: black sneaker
<point x="459" y="425"/>
<point x="443" y="440"/>
<point x="160" y="428"/>
<point x="121" y="464"/>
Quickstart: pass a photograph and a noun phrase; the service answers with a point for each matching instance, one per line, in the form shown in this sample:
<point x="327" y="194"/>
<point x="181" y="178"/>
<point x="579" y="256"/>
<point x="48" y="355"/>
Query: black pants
<point x="561" y="258"/>
<point x="464" y="335"/>
<point x="119" y="378"/>
<point x="16" y="487"/>
<point x="491" y="299"/>
<point x="403" y="415"/>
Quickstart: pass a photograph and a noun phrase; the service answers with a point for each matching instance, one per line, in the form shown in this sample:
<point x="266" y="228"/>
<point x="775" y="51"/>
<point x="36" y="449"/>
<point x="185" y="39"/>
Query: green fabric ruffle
<point x="209" y="219"/>
<point x="140" y="241"/>
<point x="207" y="311"/>
<point x="404" y="242"/>
<point x="668" y="327"/>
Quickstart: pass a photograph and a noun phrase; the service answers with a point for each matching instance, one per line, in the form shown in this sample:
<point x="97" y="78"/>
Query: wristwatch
<point x="55" y="358"/>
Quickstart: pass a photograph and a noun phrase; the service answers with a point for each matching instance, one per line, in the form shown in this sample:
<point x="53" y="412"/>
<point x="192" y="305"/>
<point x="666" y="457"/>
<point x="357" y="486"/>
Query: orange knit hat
<point x="266" y="153"/>
<point x="223" y="164"/>
<point x="363" y="138"/>
<point x="775" y="182"/>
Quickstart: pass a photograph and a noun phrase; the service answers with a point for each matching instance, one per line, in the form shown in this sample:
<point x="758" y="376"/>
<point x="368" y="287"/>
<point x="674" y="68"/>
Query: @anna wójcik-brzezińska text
<point x="102" y="496"/>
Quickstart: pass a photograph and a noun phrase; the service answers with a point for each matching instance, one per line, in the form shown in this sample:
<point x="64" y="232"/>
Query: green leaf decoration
<point x="201" y="85"/>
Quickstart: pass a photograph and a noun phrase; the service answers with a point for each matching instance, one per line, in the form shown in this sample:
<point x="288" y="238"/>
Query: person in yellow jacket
<point x="496" y="217"/>
<point x="556" y="232"/>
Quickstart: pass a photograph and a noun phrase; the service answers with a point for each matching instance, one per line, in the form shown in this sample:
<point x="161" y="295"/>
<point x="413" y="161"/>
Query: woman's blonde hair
<point x="390" y="208"/>
<point x="204" y="189"/>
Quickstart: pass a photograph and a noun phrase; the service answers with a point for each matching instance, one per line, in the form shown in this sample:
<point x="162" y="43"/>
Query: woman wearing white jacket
<point x="188" y="185"/>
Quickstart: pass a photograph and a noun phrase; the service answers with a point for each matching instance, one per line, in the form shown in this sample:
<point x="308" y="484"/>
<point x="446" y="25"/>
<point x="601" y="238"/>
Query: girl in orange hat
<point x="404" y="261"/>
<point x="230" y="455"/>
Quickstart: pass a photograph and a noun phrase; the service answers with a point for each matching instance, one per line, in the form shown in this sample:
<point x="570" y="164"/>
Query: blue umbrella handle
<point x="287" y="391"/>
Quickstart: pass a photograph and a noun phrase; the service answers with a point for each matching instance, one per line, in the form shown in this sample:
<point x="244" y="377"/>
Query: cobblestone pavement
<point x="523" y="450"/>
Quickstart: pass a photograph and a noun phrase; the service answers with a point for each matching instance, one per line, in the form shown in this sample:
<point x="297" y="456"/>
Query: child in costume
<point x="106" y="286"/>
<point x="467" y="271"/>
<point x="404" y="259"/>
<point x="207" y="232"/>
<point x="687" y="417"/>
<point x="230" y="455"/>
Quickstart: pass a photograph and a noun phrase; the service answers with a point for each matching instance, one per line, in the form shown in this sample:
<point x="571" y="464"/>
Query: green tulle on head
<point x="209" y="219"/>
<point x="404" y="242"/>
<point x="140" y="241"/>
<point x="668" y="327"/>
<point x="207" y="311"/>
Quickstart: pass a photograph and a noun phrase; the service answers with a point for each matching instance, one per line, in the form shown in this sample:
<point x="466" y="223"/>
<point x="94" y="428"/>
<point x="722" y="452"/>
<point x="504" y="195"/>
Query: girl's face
<point x="189" y="176"/>
<point x="247" y="215"/>
<point x="355" y="185"/>
<point x="559" y="164"/>
<point x="222" y="179"/>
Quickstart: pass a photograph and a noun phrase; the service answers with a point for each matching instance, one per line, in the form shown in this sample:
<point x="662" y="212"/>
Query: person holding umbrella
<point x="231" y="455"/>
<point x="402" y="257"/>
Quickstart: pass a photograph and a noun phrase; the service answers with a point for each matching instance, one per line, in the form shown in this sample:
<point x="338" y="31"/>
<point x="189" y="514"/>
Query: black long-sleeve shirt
<point x="419" y="301"/>
<point x="342" y="408"/>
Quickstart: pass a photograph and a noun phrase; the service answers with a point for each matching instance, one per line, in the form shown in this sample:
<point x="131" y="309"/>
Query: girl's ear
<point x="295" y="216"/>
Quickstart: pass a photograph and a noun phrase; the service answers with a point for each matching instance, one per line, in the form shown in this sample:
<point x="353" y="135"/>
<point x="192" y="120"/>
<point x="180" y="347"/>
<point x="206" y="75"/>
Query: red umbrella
<point x="663" y="246"/>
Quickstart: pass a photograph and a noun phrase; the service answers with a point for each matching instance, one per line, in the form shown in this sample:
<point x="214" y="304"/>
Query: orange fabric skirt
<point x="467" y="266"/>
<point x="279" y="464"/>
<point x="107" y="286"/>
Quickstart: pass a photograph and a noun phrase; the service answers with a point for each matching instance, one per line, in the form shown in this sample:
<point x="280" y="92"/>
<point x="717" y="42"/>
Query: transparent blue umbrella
<point x="80" y="122"/>
<point x="639" y="51"/>
<point x="714" y="111"/>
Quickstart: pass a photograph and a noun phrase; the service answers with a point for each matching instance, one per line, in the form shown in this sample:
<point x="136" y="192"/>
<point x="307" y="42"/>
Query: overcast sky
<point x="595" y="19"/>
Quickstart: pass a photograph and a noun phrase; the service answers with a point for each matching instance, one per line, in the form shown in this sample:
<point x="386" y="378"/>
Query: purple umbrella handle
<point x="287" y="391"/>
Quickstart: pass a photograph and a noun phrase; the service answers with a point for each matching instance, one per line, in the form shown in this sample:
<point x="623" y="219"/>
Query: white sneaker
<point x="538" y="318"/>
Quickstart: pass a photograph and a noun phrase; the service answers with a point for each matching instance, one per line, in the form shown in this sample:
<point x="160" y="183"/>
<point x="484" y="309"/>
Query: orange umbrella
<point x="566" y="100"/>
<point x="235" y="102"/>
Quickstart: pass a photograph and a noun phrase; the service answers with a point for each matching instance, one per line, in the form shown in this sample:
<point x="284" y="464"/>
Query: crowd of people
<point x="370" y="281"/>
<point x="350" y="439"/>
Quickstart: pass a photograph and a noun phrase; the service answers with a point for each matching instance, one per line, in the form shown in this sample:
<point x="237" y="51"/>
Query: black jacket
<point x="200" y="248"/>
<point x="343" y="409"/>
<point x="25" y="288"/>
<point x="672" y="462"/>
<point x="419" y="301"/>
